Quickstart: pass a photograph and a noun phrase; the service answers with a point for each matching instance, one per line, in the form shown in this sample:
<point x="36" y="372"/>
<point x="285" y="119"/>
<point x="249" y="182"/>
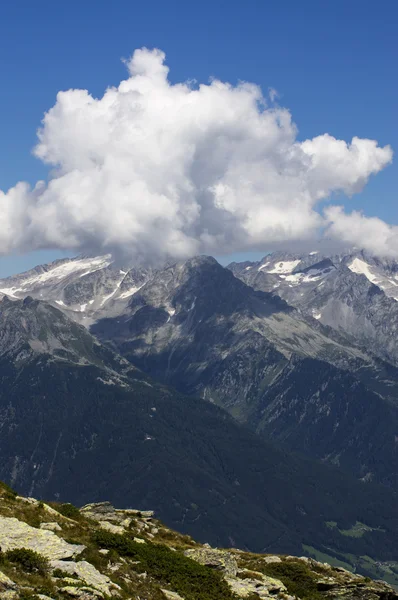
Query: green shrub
<point x="60" y="574"/>
<point x="185" y="576"/>
<point x="296" y="576"/>
<point x="27" y="595"/>
<point x="249" y="575"/>
<point x="28" y="560"/>
<point x="69" y="510"/>
<point x="8" y="492"/>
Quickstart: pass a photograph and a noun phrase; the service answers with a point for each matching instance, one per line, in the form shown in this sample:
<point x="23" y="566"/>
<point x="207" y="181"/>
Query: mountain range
<point x="55" y="550"/>
<point x="195" y="389"/>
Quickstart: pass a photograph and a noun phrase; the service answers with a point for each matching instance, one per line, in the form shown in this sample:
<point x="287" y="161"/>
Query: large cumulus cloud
<point x="160" y="170"/>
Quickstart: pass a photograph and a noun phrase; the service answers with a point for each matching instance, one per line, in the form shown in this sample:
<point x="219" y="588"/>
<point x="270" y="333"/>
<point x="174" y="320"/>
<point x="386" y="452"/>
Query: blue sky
<point x="333" y="64"/>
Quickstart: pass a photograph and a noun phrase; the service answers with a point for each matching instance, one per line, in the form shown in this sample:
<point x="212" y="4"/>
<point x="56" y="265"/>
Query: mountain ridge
<point x="55" y="550"/>
<point x="67" y="429"/>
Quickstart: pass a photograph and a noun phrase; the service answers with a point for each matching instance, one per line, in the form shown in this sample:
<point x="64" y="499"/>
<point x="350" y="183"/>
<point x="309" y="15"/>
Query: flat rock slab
<point x="87" y="573"/>
<point x="264" y="588"/>
<point x="83" y="593"/>
<point x="17" y="534"/>
<point x="51" y="526"/>
<point x="111" y="527"/>
<point x="216" y="559"/>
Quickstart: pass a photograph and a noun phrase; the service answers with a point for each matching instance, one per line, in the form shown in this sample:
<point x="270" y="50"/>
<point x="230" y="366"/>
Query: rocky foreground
<point x="56" y="551"/>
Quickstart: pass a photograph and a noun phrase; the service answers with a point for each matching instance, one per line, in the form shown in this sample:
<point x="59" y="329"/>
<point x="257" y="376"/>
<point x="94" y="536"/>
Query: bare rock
<point x="51" y="526"/>
<point x="17" y="534"/>
<point x="216" y="559"/>
<point x="87" y="573"/>
<point x="263" y="587"/>
<point x="271" y="559"/>
<point x="111" y="527"/>
<point x="6" y="583"/>
<point x="172" y="595"/>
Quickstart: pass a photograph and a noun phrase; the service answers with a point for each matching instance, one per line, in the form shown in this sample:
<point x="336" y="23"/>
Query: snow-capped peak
<point x="385" y="280"/>
<point x="85" y="287"/>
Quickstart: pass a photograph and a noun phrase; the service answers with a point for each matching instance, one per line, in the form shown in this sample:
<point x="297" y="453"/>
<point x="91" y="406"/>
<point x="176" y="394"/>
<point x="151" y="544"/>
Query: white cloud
<point x="355" y="229"/>
<point x="162" y="170"/>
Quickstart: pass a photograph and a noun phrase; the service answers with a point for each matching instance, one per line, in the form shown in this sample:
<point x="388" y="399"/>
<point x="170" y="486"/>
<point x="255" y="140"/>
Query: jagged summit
<point x="355" y="294"/>
<point x="76" y="417"/>
<point x="84" y="287"/>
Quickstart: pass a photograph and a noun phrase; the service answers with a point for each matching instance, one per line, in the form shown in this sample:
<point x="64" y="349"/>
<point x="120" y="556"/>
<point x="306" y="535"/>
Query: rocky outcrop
<point x="17" y="534"/>
<point x="86" y="572"/>
<point x="215" y="559"/>
<point x="129" y="554"/>
<point x="260" y="585"/>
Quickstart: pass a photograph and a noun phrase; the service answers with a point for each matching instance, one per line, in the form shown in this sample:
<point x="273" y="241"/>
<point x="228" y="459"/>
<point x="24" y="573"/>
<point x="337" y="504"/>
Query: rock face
<point x="86" y="572"/>
<point x="50" y="526"/>
<point x="198" y="328"/>
<point x="6" y="583"/>
<point x="354" y="293"/>
<point x="215" y="559"/>
<point x="305" y="353"/>
<point x="168" y="565"/>
<point x="85" y="288"/>
<point x="260" y="585"/>
<point x="17" y="534"/>
<point x="91" y="423"/>
<point x="105" y="426"/>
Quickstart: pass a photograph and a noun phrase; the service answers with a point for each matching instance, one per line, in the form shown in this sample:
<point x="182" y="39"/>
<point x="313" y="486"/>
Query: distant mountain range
<point x="355" y="294"/>
<point x="94" y="407"/>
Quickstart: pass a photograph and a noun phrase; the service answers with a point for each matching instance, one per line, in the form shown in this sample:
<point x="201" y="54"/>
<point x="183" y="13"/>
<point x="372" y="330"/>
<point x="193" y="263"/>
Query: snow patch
<point x="263" y="266"/>
<point x="130" y="292"/>
<point x="309" y="277"/>
<point x="11" y="291"/>
<point x="285" y="266"/>
<point x="362" y="268"/>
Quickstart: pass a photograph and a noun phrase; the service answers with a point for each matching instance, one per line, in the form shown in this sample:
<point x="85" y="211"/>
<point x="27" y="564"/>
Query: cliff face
<point x="56" y="551"/>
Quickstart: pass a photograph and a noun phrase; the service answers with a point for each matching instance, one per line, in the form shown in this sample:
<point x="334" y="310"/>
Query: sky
<point x="331" y="65"/>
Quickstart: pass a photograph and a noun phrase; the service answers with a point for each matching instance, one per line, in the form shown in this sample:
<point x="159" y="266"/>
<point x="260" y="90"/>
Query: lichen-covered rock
<point x="6" y="583"/>
<point x="9" y="595"/>
<point x="261" y="585"/>
<point x="124" y="574"/>
<point x="172" y="595"/>
<point x="135" y="512"/>
<point x="216" y="559"/>
<point x="51" y="526"/>
<point x="49" y="509"/>
<point x="100" y="511"/>
<point x="87" y="573"/>
<point x="326" y="583"/>
<point x="111" y="527"/>
<point x="83" y="593"/>
<point x="272" y="559"/>
<point x="17" y="534"/>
